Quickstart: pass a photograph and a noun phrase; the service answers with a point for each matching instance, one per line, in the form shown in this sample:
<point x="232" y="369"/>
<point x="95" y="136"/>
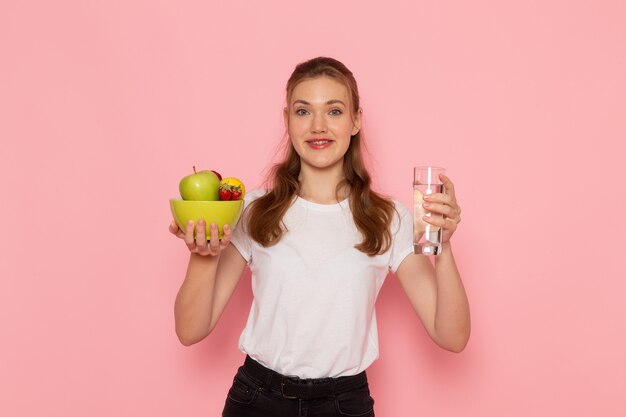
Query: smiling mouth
<point x="319" y="142"/>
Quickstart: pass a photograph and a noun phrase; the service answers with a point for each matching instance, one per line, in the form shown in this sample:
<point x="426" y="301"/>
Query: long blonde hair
<point x="372" y="212"/>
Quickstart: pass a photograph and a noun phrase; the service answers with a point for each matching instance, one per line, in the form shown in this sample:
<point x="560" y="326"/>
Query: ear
<point x="286" y="117"/>
<point x="357" y="120"/>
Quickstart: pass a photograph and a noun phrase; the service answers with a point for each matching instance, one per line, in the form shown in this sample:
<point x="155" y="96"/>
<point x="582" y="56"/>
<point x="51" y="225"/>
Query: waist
<point x="291" y="387"/>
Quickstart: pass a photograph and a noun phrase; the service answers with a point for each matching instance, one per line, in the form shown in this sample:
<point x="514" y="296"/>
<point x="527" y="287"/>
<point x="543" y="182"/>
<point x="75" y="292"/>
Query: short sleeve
<point x="240" y="239"/>
<point x="401" y="235"/>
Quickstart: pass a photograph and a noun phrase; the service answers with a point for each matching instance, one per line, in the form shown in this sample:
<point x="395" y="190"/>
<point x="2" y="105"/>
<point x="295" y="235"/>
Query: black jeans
<point x="259" y="392"/>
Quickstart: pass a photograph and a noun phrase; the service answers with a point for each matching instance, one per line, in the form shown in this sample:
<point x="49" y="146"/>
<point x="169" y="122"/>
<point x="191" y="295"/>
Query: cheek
<point x="295" y="127"/>
<point x="346" y="129"/>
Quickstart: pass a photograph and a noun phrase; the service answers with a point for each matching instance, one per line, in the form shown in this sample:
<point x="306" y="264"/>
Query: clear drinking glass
<point x="426" y="237"/>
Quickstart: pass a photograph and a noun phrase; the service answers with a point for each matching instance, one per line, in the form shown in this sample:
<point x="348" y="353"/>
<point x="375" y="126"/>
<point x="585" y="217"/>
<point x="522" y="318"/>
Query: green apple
<point x="200" y="186"/>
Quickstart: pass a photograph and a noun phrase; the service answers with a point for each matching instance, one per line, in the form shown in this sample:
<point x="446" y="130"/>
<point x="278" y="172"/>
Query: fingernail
<point x="426" y="196"/>
<point x="426" y="205"/>
<point x="201" y="222"/>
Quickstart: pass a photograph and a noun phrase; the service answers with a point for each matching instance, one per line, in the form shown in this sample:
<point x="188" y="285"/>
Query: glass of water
<point x="426" y="237"/>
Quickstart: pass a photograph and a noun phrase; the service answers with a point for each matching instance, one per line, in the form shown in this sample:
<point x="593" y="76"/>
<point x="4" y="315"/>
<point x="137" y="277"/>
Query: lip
<point x="319" y="139"/>
<point x="312" y="143"/>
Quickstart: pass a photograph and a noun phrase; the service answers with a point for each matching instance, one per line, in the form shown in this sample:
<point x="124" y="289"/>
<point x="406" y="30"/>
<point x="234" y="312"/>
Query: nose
<point x="318" y="124"/>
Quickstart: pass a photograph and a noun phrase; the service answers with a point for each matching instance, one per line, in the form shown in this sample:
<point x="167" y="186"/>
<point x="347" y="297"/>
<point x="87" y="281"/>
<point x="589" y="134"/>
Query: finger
<point x="201" y="244"/>
<point x="444" y="223"/>
<point x="191" y="244"/>
<point x="447" y="183"/>
<point x="214" y="244"/>
<point x="441" y="198"/>
<point x="440" y="209"/>
<point x="434" y="220"/>
<point x="227" y="235"/>
<point x="173" y="227"/>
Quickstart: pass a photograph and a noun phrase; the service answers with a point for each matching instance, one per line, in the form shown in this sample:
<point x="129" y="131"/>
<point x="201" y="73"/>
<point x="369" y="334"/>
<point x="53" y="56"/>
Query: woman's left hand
<point x="445" y="204"/>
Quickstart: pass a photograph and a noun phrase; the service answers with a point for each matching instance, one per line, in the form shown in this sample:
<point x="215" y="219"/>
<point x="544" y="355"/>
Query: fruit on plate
<point x="231" y="188"/>
<point x="200" y="186"/>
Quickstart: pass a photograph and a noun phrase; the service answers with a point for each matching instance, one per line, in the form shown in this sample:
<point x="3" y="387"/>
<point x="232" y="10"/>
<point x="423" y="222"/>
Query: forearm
<point x="193" y="306"/>
<point x="452" y="318"/>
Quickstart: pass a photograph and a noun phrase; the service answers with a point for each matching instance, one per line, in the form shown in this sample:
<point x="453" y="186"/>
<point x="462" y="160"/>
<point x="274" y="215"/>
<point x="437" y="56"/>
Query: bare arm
<point x="437" y="294"/>
<point x="213" y="272"/>
<point x="438" y="297"/>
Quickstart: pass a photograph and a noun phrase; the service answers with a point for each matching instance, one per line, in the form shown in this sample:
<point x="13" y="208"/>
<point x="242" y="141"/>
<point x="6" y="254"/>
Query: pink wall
<point x="104" y="106"/>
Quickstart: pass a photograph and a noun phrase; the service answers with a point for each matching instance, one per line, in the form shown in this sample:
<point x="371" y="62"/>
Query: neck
<point x="320" y="185"/>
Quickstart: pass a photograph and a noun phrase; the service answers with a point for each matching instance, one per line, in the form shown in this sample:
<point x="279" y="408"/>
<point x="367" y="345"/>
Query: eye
<point x="301" y="112"/>
<point x="335" y="112"/>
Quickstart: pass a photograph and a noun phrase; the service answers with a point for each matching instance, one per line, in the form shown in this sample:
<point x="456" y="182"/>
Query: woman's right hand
<point x="200" y="245"/>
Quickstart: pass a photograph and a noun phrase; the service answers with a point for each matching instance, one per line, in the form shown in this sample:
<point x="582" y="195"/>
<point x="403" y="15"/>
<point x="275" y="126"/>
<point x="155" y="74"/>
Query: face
<point x="320" y="122"/>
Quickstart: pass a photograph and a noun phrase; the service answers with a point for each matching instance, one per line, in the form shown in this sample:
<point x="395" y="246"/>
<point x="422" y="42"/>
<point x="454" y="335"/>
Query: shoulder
<point x="248" y="199"/>
<point x="402" y="217"/>
<point x="401" y="209"/>
<point x="253" y="195"/>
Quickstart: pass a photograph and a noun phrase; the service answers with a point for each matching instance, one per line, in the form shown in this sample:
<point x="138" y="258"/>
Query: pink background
<point x="104" y="106"/>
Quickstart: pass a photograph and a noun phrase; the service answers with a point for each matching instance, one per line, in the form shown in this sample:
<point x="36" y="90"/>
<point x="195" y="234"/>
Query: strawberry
<point x="236" y="194"/>
<point x="225" y="192"/>
<point x="235" y="186"/>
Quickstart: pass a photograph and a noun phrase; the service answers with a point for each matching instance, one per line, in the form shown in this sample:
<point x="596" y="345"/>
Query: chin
<point x="323" y="164"/>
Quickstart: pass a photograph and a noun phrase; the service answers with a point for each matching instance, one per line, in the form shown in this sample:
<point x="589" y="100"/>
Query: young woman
<point x="319" y="243"/>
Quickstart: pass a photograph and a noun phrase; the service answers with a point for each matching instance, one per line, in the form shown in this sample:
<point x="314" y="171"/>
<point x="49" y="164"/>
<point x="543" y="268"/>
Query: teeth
<point x="319" y="142"/>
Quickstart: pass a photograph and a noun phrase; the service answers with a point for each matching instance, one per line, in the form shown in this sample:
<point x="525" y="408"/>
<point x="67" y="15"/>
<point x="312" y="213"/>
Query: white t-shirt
<point x="313" y="310"/>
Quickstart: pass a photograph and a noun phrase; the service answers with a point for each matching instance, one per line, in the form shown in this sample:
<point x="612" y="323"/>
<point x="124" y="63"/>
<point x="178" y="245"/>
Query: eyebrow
<point x="306" y="103"/>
